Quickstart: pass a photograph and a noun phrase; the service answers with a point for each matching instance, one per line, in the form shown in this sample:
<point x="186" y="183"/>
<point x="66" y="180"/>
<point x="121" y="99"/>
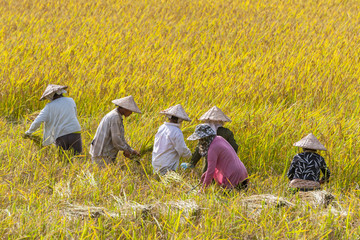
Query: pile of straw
<point x="319" y="198"/>
<point x="256" y="203"/>
<point x="76" y="211"/>
<point x="171" y="178"/>
<point x="187" y="209"/>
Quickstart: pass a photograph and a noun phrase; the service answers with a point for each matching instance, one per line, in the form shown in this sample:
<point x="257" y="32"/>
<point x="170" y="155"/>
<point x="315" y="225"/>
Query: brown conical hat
<point x="50" y="89"/>
<point x="215" y="114"/>
<point x="310" y="142"/>
<point x="127" y="103"/>
<point x="176" y="111"/>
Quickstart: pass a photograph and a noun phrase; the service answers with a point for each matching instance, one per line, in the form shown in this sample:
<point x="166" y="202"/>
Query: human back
<point x="64" y="115"/>
<point x="304" y="171"/>
<point x="308" y="165"/>
<point x="230" y="169"/>
<point x="60" y="119"/>
<point x="167" y="144"/>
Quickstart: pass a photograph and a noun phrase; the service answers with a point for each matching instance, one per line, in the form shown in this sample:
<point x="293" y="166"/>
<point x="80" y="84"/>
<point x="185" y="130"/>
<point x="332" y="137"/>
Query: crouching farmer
<point x="109" y="138"/>
<point x="224" y="166"/>
<point x="59" y="116"/>
<point x="169" y="143"/>
<point x="304" y="172"/>
<point x="215" y="118"/>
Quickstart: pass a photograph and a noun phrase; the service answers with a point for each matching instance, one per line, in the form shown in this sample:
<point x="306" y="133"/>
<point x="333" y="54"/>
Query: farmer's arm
<point x="42" y="117"/>
<point x="117" y="135"/>
<point x="180" y="145"/>
<point x="292" y="169"/>
<point x="326" y="172"/>
<point x="209" y="174"/>
<point x="195" y="157"/>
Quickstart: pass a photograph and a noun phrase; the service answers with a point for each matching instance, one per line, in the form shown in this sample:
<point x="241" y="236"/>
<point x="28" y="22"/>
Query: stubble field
<point x="278" y="69"/>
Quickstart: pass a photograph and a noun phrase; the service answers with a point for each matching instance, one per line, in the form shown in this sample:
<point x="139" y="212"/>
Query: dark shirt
<point x="223" y="132"/>
<point x="307" y="166"/>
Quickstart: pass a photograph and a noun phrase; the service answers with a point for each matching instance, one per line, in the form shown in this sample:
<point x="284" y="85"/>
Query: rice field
<point x="278" y="69"/>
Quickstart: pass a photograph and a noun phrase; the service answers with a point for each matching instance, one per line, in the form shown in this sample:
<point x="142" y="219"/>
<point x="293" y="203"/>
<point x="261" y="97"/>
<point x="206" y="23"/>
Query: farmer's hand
<point x="127" y="154"/>
<point x="136" y="153"/>
<point x="26" y="135"/>
<point x="131" y="154"/>
<point x="186" y="165"/>
<point x="202" y="177"/>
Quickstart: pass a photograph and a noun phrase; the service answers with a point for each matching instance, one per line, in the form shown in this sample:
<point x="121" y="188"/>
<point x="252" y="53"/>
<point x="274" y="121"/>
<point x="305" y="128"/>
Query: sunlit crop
<point x="278" y="69"/>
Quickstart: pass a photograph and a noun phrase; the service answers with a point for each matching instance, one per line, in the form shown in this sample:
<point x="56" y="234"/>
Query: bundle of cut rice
<point x="187" y="208"/>
<point x="76" y="211"/>
<point x="256" y="202"/>
<point x="319" y="198"/>
<point x="172" y="177"/>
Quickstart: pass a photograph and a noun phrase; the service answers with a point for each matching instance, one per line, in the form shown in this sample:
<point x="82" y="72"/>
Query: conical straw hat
<point x="51" y="88"/>
<point x="176" y="111"/>
<point x="127" y="103"/>
<point x="310" y="142"/>
<point x="215" y="114"/>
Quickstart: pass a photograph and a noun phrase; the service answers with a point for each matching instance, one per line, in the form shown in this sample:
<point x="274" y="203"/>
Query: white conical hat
<point x="215" y="114"/>
<point x="176" y="111"/>
<point x="50" y="89"/>
<point x="310" y="142"/>
<point x="127" y="103"/>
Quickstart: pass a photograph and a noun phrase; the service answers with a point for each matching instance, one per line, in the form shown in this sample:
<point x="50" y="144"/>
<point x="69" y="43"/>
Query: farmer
<point x="109" y="137"/>
<point x="59" y="116"/>
<point x="304" y="172"/>
<point x="224" y="166"/>
<point x="215" y="118"/>
<point x="169" y="143"/>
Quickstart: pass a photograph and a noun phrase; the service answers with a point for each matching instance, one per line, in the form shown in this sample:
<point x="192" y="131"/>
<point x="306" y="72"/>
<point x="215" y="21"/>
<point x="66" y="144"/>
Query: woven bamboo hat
<point x="52" y="89"/>
<point x="176" y="111"/>
<point x="310" y="142"/>
<point x="127" y="103"/>
<point x="215" y="114"/>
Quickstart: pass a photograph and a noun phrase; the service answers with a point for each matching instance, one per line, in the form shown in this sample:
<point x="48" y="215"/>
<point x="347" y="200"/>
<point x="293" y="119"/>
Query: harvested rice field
<point x="279" y="69"/>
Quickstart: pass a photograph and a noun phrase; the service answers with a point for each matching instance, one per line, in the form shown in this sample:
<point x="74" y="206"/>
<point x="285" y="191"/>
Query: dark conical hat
<point x="310" y="142"/>
<point x="215" y="114"/>
<point x="51" y="88"/>
<point x="127" y="103"/>
<point x="177" y="111"/>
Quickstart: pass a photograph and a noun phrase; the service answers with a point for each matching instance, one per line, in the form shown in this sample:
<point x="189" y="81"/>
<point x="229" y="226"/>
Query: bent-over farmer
<point x="109" y="138"/>
<point x="215" y="118"/>
<point x="224" y="166"/>
<point x="59" y="116"/>
<point x="169" y="143"/>
<point x="304" y="171"/>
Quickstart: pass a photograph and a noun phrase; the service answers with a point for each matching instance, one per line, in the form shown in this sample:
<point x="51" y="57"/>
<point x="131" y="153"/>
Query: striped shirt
<point x="109" y="138"/>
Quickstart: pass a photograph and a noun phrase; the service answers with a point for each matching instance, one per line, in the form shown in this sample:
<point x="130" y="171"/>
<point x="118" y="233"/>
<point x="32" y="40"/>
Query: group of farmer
<point x="215" y="143"/>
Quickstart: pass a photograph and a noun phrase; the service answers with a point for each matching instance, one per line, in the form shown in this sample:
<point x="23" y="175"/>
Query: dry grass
<point x="278" y="69"/>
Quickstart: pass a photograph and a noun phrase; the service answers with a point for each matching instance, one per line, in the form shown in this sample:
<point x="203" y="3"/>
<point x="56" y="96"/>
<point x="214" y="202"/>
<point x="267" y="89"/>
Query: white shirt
<point x="169" y="146"/>
<point x="59" y="117"/>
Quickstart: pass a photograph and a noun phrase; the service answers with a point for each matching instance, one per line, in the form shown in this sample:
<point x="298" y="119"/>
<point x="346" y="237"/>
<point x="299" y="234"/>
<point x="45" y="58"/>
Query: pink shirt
<point x="223" y="165"/>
